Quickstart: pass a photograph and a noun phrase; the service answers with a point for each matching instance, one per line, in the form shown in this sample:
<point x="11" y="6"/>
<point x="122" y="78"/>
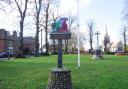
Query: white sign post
<point x="78" y="37"/>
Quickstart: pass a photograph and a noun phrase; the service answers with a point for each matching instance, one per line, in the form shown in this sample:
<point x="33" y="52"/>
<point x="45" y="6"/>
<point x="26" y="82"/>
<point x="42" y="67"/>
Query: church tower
<point x="106" y="40"/>
<point x="15" y="42"/>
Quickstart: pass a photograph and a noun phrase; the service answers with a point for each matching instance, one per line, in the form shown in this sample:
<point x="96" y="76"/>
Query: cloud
<point x="83" y="29"/>
<point x="70" y="6"/>
<point x="67" y="6"/>
<point x="85" y="2"/>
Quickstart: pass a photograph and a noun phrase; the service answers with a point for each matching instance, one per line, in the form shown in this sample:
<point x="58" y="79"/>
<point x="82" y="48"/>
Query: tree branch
<point x="19" y="9"/>
<point x="26" y="3"/>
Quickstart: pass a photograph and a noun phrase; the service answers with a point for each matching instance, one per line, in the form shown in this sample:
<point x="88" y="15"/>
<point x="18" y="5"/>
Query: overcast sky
<point x="103" y="12"/>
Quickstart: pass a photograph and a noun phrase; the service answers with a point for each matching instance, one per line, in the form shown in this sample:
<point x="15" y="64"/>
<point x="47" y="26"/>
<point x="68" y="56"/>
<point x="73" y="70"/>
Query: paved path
<point x="7" y="58"/>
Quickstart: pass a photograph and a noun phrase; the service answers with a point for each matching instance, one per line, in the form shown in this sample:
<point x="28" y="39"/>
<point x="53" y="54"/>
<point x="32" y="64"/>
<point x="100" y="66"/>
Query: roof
<point x="28" y="40"/>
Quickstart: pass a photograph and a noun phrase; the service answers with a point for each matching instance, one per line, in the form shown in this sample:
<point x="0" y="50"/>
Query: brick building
<point x="3" y="40"/>
<point x="11" y="43"/>
<point x="29" y="44"/>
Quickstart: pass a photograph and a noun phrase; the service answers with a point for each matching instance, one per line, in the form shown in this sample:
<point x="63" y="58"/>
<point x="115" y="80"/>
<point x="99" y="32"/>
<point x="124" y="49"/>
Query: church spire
<point x="106" y="29"/>
<point x="106" y="40"/>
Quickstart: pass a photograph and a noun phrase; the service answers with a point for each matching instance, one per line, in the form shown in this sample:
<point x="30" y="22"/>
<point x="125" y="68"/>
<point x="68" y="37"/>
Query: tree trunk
<point x="46" y="41"/>
<point x="21" y="37"/>
<point x="91" y="44"/>
<point x="46" y="30"/>
<point x="46" y="37"/>
<point x="124" y="34"/>
<point x="105" y="48"/>
<point x="37" y="35"/>
<point x="41" y="42"/>
<point x="54" y="46"/>
<point x="66" y="45"/>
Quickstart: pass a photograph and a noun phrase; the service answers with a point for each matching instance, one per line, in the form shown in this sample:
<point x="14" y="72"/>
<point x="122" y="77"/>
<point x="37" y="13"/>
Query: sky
<point x="102" y="12"/>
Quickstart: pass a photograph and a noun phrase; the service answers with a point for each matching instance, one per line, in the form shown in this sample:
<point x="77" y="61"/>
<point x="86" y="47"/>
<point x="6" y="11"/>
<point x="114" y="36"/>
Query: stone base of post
<point x="98" y="54"/>
<point x="59" y="78"/>
<point x="54" y="53"/>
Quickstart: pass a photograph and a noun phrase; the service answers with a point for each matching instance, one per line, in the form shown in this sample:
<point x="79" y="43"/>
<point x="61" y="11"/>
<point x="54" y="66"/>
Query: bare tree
<point x="125" y="24"/>
<point x="47" y="7"/>
<point x="45" y="25"/>
<point x="54" y="46"/>
<point x="22" y="8"/>
<point x="71" y="24"/>
<point x="124" y="38"/>
<point x="125" y="14"/>
<point x="90" y="27"/>
<point x="73" y="41"/>
<point x="38" y="6"/>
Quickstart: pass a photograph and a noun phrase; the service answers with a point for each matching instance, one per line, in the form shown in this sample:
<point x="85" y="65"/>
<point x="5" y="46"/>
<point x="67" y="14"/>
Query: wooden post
<point x="60" y="64"/>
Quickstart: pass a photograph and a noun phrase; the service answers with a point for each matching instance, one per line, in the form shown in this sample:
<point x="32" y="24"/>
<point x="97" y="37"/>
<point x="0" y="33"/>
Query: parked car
<point x="6" y="54"/>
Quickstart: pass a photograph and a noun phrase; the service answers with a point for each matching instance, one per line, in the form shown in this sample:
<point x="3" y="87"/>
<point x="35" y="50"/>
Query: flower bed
<point x="122" y="54"/>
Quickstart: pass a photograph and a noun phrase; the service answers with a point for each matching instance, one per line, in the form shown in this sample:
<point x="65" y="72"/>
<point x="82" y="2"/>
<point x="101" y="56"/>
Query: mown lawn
<point x="32" y="73"/>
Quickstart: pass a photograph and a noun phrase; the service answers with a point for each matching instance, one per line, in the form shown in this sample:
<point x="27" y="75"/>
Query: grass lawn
<point x="32" y="73"/>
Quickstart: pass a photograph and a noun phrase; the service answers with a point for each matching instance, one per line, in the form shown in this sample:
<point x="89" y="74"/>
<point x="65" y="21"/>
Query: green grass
<point x="32" y="73"/>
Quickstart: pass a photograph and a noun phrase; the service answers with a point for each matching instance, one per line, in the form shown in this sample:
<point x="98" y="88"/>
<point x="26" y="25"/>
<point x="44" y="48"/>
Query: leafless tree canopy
<point x="6" y="1"/>
<point x="125" y="24"/>
<point x="3" y="4"/>
<point x="38" y="7"/>
<point x="91" y="32"/>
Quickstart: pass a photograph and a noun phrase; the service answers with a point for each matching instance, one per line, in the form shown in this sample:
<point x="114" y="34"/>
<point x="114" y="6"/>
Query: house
<point x="29" y="44"/>
<point x="117" y="47"/>
<point x="3" y="40"/>
<point x="8" y="43"/>
<point x="11" y="43"/>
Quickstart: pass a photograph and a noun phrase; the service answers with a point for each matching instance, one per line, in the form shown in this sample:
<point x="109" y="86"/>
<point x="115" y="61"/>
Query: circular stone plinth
<point x="59" y="79"/>
<point x="97" y="57"/>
